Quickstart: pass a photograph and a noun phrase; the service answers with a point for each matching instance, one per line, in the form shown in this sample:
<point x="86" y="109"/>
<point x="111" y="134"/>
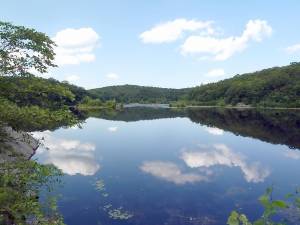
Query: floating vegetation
<point x="100" y="186"/>
<point x="113" y="213"/>
<point x="106" y="207"/>
<point x="119" y="214"/>
<point x="105" y="195"/>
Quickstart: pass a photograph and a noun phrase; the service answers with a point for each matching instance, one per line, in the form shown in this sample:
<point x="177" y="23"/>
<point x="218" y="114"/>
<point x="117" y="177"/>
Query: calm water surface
<point x="164" y="166"/>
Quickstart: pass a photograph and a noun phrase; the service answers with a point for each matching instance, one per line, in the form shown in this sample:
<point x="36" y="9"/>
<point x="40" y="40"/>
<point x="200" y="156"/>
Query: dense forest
<point x="139" y="94"/>
<point x="31" y="103"/>
<point x="46" y="93"/>
<point x="34" y="103"/>
<point x="274" y="87"/>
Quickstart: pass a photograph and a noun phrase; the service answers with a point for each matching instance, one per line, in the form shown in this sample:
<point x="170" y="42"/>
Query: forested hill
<point x="140" y="94"/>
<point x="46" y="93"/>
<point x="274" y="87"/>
<point x="31" y="103"/>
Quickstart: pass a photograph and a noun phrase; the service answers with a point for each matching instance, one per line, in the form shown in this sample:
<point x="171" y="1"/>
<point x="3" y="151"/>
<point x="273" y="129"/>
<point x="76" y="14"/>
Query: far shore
<point x="93" y="107"/>
<point x="233" y="107"/>
<point x="159" y="105"/>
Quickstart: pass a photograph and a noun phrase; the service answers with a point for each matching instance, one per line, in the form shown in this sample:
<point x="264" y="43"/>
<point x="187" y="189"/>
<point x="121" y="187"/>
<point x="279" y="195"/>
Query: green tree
<point x="21" y="182"/>
<point x="271" y="209"/>
<point x="23" y="49"/>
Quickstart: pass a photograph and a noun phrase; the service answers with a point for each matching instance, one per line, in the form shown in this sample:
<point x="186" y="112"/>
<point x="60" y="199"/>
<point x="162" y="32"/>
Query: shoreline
<point x="18" y="143"/>
<point x="236" y="107"/>
<point x="159" y="105"/>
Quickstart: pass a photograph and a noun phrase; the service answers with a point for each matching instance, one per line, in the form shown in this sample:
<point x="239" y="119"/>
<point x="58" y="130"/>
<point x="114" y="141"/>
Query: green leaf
<point x="243" y="218"/>
<point x="264" y="200"/>
<point x="279" y="204"/>
<point x="297" y="202"/>
<point x="233" y="218"/>
<point x="259" y="222"/>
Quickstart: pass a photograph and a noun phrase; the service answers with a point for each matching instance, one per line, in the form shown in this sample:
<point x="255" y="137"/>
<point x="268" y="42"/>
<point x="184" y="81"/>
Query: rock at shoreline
<point x="16" y="143"/>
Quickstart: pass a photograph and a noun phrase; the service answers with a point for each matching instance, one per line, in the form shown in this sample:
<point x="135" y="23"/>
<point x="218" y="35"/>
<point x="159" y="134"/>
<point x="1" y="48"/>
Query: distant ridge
<point x="273" y="87"/>
<point x="138" y="94"/>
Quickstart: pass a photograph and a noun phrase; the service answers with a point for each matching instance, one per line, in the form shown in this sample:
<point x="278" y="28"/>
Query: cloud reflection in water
<point x="71" y="156"/>
<point x="203" y="162"/>
<point x="170" y="172"/>
<point x="214" y="130"/>
<point x="222" y="155"/>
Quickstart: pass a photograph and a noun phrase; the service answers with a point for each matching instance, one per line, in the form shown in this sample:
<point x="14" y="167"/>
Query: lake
<point x="155" y="166"/>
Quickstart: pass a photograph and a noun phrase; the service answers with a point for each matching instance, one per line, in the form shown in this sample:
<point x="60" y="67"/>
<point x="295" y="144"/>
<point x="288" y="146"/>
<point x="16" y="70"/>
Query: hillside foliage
<point x="274" y="87"/>
<point x="138" y="94"/>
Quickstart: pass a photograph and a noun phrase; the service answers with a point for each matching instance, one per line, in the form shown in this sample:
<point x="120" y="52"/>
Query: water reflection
<point x="70" y="155"/>
<point x="112" y="129"/>
<point x="292" y="154"/>
<point x="204" y="160"/>
<point x="222" y="155"/>
<point x="214" y="130"/>
<point x="273" y="126"/>
<point x="169" y="171"/>
<point x="148" y="172"/>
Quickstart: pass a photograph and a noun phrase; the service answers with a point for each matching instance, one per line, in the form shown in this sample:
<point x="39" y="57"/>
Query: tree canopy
<point x="274" y="87"/>
<point x="23" y="50"/>
<point x="138" y="94"/>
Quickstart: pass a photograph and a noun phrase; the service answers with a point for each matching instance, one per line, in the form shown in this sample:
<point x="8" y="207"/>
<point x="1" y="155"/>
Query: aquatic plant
<point x="100" y="186"/>
<point x="21" y="184"/>
<point x="119" y="214"/>
<point x="113" y="213"/>
<point x="106" y="207"/>
<point x="271" y="209"/>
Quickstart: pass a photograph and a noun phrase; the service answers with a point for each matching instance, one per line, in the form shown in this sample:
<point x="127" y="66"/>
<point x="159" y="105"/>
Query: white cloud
<point x="292" y="154"/>
<point x="214" y="130"/>
<point x="170" y="172"/>
<point x="38" y="74"/>
<point x="224" y="48"/>
<point x="223" y="156"/>
<point x="112" y="76"/>
<point x="71" y="156"/>
<point x="112" y="129"/>
<point x="172" y="30"/>
<point x="293" y="49"/>
<point x="75" y="46"/>
<point x="72" y="78"/>
<point x="215" y="73"/>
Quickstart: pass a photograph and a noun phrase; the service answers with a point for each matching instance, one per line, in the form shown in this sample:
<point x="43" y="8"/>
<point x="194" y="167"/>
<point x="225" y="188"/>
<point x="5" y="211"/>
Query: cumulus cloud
<point x="71" y="156"/>
<point x="112" y="129"/>
<point x="72" y="78"/>
<point x="224" y="48"/>
<point x="292" y="154"/>
<point x="169" y="171"/>
<point x="75" y="46"/>
<point x="173" y="30"/>
<point x="214" y="130"/>
<point x="112" y="76"/>
<point x="223" y="156"/>
<point x="293" y="49"/>
<point x="215" y="73"/>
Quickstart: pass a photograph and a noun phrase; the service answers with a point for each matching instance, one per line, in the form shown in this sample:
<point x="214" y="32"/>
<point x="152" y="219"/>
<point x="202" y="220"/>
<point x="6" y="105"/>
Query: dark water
<point x="166" y="166"/>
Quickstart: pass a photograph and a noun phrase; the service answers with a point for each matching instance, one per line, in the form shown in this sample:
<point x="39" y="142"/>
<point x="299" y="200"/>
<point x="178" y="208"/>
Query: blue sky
<point x="185" y="43"/>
